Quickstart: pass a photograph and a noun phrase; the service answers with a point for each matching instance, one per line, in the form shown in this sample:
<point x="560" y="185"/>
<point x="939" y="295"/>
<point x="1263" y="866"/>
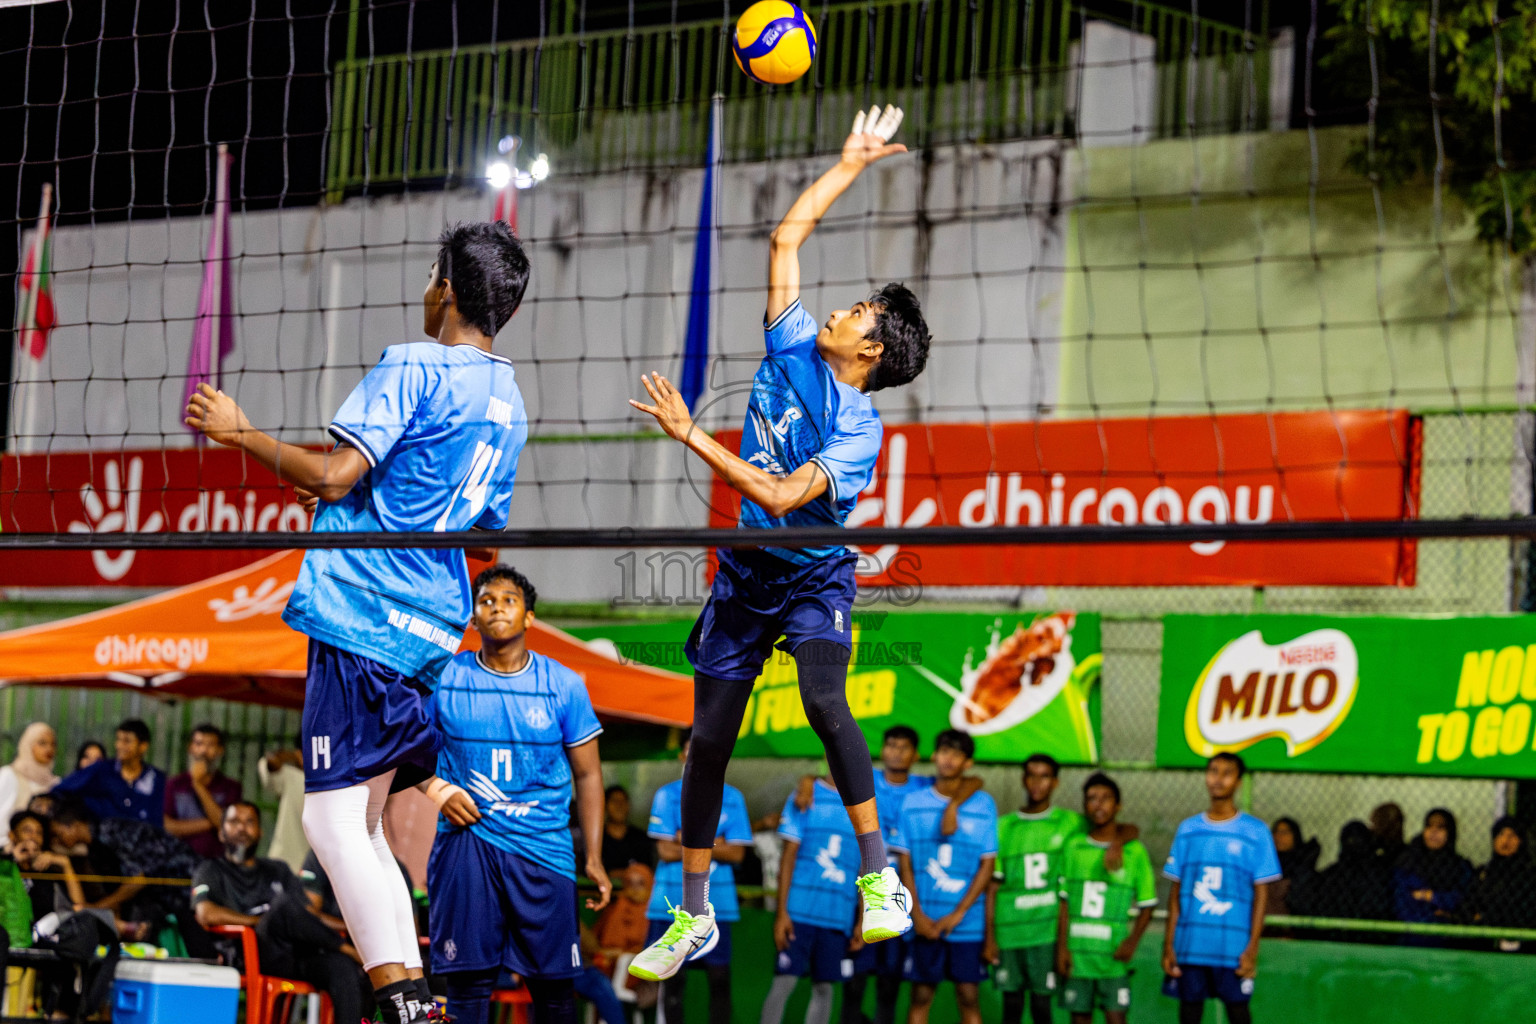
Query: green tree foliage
<point x="1452" y="87"/>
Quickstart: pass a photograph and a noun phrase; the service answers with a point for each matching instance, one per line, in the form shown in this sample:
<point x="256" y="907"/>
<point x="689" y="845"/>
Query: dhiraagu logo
<point x="1299" y="691"/>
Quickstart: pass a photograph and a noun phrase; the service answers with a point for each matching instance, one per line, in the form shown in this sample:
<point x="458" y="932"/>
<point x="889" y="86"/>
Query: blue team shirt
<point x="943" y="866"/>
<point x="666" y="822"/>
<point x="889" y="798"/>
<point x="821" y="890"/>
<point x="441" y="427"/>
<point x="505" y="737"/>
<point x="1217" y="864"/>
<point x="800" y="413"/>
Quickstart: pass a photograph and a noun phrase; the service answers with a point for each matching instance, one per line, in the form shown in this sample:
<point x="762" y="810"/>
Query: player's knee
<point x="967" y="997"/>
<point x="922" y="995"/>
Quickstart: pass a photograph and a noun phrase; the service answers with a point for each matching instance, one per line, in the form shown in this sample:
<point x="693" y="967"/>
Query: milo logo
<point x="1299" y="691"/>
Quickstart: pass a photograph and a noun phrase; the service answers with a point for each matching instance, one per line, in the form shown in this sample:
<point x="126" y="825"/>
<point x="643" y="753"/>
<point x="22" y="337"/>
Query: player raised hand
<point x="870" y="139"/>
<point x="216" y="415"/>
<point x="670" y="410"/>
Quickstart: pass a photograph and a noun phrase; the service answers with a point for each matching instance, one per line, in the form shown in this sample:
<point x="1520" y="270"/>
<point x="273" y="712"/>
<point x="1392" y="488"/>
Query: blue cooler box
<point x="162" y="992"/>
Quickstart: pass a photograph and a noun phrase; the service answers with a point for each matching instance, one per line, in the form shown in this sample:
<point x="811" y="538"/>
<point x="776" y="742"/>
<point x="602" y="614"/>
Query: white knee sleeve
<point x="402" y="907"/>
<point x="337" y="824"/>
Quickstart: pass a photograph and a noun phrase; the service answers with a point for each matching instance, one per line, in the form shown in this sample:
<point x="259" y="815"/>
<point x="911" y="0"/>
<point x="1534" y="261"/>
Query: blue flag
<point x="696" y="344"/>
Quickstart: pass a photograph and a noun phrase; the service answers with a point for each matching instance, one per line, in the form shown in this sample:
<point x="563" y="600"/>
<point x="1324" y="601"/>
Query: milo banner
<point x="1018" y="683"/>
<point x="1333" y="694"/>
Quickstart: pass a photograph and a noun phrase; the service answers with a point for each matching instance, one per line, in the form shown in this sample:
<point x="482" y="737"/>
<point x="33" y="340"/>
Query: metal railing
<point x="639" y="97"/>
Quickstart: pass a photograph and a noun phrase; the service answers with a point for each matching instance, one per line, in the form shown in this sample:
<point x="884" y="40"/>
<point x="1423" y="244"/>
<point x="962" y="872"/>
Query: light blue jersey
<point x="505" y="737"/>
<point x="943" y="866"/>
<point x="889" y="798"/>
<point x="1217" y="864"/>
<point x="667" y="822"/>
<point x="800" y="413"/>
<point x="821" y="891"/>
<point x="441" y="427"/>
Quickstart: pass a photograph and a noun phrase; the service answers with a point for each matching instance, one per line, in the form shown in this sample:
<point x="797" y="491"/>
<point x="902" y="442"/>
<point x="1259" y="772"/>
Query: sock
<point x="695" y="891"/>
<point x="872" y="857"/>
<point x="398" y="1002"/>
<point x="424" y="993"/>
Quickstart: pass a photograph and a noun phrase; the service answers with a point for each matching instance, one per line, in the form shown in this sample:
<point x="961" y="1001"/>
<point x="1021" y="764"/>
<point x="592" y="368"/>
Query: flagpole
<point x="23" y="419"/>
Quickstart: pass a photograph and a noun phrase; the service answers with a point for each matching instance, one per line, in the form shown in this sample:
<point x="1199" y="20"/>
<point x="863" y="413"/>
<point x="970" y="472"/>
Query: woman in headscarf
<point x="32" y="771"/>
<point x="1504" y="892"/>
<point x="1431" y="880"/>
<point x="1356" y="885"/>
<point x="1298" y="867"/>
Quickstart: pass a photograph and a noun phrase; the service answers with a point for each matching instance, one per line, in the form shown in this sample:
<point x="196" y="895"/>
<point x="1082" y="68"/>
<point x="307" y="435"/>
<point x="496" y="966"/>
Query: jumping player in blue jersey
<point x="428" y="441"/>
<point x="1221" y="864"/>
<point x="808" y="449"/>
<point x="518" y="731"/>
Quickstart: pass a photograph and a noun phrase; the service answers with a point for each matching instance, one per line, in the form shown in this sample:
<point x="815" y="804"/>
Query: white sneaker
<point x="689" y="937"/>
<point x="887" y="905"/>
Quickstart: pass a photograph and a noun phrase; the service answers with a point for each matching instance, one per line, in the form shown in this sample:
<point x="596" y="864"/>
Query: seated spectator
<point x="128" y="787"/>
<point x="195" y="800"/>
<point x="1298" y="867"/>
<point x="30" y="848"/>
<point x="292" y="938"/>
<point x="32" y="771"/>
<point x="281" y="773"/>
<point x="621" y="927"/>
<point x="623" y="843"/>
<point x="1357" y="884"/>
<point x="1504" y="891"/>
<point x="1387" y="833"/>
<point x="134" y="849"/>
<point x="1431" y="880"/>
<point x="89" y="753"/>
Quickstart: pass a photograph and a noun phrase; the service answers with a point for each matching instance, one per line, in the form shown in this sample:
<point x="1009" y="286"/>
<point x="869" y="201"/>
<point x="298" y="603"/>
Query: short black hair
<point x="87" y="745"/>
<point x="615" y="788"/>
<point x="955" y="740"/>
<point x="69" y="810"/>
<point x="23" y="814"/>
<point x="507" y="574"/>
<point x="209" y="729"/>
<point x="135" y="726"/>
<point x="1045" y="759"/>
<point x="1237" y="761"/>
<point x="899" y="326"/>
<point x="901" y="732"/>
<point x="1100" y="779"/>
<point x="488" y="269"/>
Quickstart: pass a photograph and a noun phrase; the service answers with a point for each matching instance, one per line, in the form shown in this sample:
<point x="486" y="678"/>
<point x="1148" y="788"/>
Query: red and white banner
<point x="150" y="491"/>
<point x="1300" y="467"/>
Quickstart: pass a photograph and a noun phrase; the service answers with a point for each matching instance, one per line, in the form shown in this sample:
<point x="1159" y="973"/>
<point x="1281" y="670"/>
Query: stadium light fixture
<point x="498" y="174"/>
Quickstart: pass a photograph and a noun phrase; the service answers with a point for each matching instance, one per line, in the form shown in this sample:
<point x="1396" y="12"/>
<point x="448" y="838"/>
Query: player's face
<point x="844" y="333"/>
<point x="949" y="763"/>
<point x="1100" y="805"/>
<point x="1506" y="843"/>
<point x="898" y="754"/>
<point x="1039" y="782"/>
<point x="499" y="611"/>
<point x="433" y="306"/>
<point x="1221" y="779"/>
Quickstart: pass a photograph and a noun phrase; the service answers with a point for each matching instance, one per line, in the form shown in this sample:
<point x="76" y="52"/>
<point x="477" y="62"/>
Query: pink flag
<point x="215" y="313"/>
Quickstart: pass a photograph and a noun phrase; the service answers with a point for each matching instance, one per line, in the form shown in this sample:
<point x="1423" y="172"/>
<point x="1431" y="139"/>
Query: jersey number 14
<point x="474" y="485"/>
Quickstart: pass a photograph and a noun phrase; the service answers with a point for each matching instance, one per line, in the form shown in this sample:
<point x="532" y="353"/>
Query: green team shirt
<point x="1101" y="903"/>
<point x="1029" y="848"/>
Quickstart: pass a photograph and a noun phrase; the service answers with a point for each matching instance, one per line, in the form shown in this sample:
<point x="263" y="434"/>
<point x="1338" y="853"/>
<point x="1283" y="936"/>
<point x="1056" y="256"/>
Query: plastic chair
<point x="269" y="999"/>
<point x="515" y="1002"/>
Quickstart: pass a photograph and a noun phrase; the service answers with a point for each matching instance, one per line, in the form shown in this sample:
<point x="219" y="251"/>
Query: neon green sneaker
<point x="689" y="937"/>
<point x="887" y="905"/>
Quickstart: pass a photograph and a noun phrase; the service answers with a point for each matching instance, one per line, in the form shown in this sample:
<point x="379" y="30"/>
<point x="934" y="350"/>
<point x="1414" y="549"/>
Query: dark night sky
<point x="121" y="102"/>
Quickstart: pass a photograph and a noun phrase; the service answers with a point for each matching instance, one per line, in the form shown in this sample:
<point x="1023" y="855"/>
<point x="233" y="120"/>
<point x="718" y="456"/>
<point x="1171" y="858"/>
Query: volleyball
<point x="774" y="43"/>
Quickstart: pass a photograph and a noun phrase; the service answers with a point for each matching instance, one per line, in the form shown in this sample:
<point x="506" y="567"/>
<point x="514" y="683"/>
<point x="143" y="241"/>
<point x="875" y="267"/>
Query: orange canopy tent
<point x="225" y="637"/>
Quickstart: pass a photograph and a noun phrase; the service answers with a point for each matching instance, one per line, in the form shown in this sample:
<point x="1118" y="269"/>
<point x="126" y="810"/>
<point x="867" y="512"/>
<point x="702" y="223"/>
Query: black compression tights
<point x="1237" y="1013"/>
<point x="718" y="705"/>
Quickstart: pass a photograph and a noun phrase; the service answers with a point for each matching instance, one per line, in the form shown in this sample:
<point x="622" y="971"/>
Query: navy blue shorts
<point x="361" y="720"/>
<point x="1199" y="982"/>
<point x="720" y="956"/>
<point x="757" y="598"/>
<point x="930" y="961"/>
<point x="489" y="908"/>
<point x="818" y="952"/>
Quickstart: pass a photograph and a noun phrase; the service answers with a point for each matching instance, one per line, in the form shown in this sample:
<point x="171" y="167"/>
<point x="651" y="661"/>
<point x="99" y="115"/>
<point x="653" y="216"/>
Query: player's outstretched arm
<point x="776" y="495"/>
<point x="327" y="475"/>
<point x="869" y="141"/>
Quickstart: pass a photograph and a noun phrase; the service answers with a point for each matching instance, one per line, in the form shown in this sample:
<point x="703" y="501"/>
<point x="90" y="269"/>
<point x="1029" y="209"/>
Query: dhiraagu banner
<point x="1434" y="696"/>
<point x="1019" y="683"/>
